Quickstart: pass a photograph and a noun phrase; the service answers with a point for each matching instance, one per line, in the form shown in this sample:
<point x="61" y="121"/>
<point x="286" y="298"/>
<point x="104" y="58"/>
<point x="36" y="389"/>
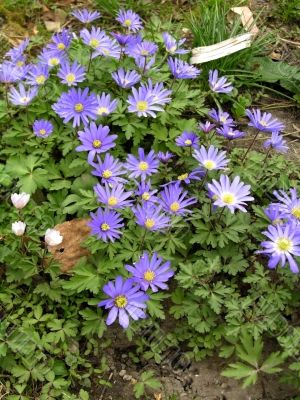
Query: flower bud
<point x="18" y="228"/>
<point x="53" y="237"/>
<point x="20" y="200"/>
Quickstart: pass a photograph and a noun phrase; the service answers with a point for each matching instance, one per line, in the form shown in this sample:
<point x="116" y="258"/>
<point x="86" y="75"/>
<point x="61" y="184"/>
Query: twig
<point x="105" y="387"/>
<point x="289" y="41"/>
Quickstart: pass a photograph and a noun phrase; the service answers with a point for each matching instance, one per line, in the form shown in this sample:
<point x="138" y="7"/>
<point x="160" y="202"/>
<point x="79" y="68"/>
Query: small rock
<point x="124" y="356"/>
<point x="127" y="377"/>
<point x="225" y="386"/>
<point x="122" y="372"/>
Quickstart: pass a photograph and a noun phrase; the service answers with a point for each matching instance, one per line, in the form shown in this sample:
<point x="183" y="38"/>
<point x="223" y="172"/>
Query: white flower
<point x="20" y="200"/>
<point x="53" y="237"/>
<point x="18" y="228"/>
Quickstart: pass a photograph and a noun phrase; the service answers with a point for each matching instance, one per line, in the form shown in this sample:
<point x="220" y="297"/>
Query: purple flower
<point x="16" y="52"/>
<point x="96" y="140"/>
<point x="151" y="272"/>
<point x="181" y="69"/>
<point x="37" y="75"/>
<point x="22" y="97"/>
<point x="86" y="16"/>
<point x="221" y="117"/>
<point x="161" y="95"/>
<point x="142" y="102"/>
<point x="232" y="195"/>
<point x="207" y="127"/>
<point x="211" y="159"/>
<point x="76" y="104"/>
<point x="263" y="122"/>
<point x="164" y="157"/>
<point x="126" y="40"/>
<point x="188" y="139"/>
<point x="94" y="38"/>
<point x="145" y="192"/>
<point x="105" y="105"/>
<point x="187" y="177"/>
<point x="274" y="213"/>
<point x="109" y="170"/>
<point x="284" y="243"/>
<point x="142" y="166"/>
<point x="106" y="224"/>
<point x="174" y="201"/>
<point x="9" y="73"/>
<point x="109" y="48"/>
<point x="289" y="205"/>
<point x="52" y="58"/>
<point x="229" y="132"/>
<point x="149" y="216"/>
<point x="172" y="46"/>
<point x="60" y="41"/>
<point x="129" y="20"/>
<point x="42" y="128"/>
<point x="113" y="197"/>
<point x="142" y="49"/>
<point x="125" y="79"/>
<point x="144" y="63"/>
<point x="276" y="142"/>
<point x="219" y="85"/>
<point x="125" y="300"/>
<point x="71" y="74"/>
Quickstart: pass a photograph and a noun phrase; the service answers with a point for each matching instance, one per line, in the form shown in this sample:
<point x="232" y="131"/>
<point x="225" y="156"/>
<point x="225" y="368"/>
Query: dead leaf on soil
<point x="54" y="20"/>
<point x="69" y="252"/>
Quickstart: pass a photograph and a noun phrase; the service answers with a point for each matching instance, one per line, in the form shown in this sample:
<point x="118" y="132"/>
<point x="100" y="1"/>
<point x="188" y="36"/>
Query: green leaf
<point x="84" y="278"/>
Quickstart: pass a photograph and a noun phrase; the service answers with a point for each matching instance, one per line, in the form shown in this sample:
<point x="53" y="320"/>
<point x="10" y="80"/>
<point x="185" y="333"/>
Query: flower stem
<point x="203" y="180"/>
<point x="250" y="147"/>
<point x="220" y="215"/>
<point x="143" y="239"/>
<point x="90" y="60"/>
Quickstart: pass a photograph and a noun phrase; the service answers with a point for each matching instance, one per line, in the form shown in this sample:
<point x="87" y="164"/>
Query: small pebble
<point x="122" y="372"/>
<point x="127" y="377"/>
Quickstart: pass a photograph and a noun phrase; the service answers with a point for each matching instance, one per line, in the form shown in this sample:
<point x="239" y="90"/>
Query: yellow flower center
<point x="40" y="79"/>
<point x="142" y="105"/>
<point x="61" y="46"/>
<point x="188" y="142"/>
<point x="121" y="301"/>
<point x="106" y="173"/>
<point x="97" y="144"/>
<point x="42" y="131"/>
<point x="228" y="198"/>
<point x="102" y="111"/>
<point x="143" y="166"/>
<point x="146" y="196"/>
<point x="24" y="99"/>
<point x="20" y="63"/>
<point x="209" y="164"/>
<point x="94" y="43"/>
<point x="104" y="227"/>
<point x="263" y="123"/>
<point x="175" y="206"/>
<point x="222" y="119"/>
<point x="172" y="49"/>
<point x="53" y="61"/>
<point x="112" y="201"/>
<point x="70" y="78"/>
<point x="296" y="212"/>
<point x="127" y="22"/>
<point x="78" y="107"/>
<point x="284" y="244"/>
<point x="149" y="223"/>
<point x="183" y="177"/>
<point x="149" y="275"/>
<point x="144" y="52"/>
